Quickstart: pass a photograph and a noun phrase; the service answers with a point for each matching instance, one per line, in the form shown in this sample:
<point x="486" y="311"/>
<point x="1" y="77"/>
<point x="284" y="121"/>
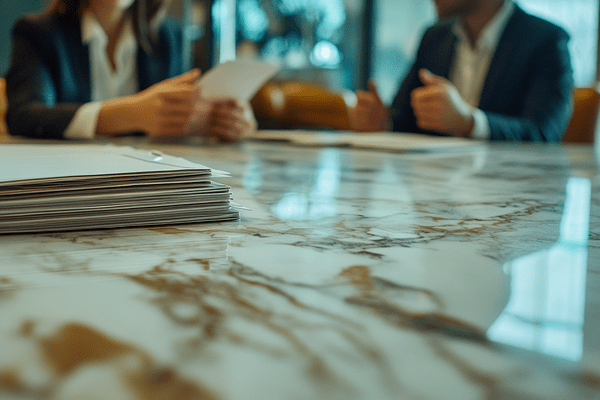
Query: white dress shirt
<point x="471" y="64"/>
<point x="106" y="82"/>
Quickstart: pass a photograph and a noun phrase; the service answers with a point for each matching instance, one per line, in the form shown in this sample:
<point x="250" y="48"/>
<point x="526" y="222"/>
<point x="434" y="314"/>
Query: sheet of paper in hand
<point x="239" y="79"/>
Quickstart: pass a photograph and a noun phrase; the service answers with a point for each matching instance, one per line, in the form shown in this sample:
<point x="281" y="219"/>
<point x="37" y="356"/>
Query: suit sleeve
<point x="547" y="105"/>
<point x="33" y="110"/>
<point x="401" y="112"/>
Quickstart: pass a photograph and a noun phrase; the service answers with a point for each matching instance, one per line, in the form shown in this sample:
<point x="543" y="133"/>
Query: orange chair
<point x="582" y="126"/>
<point x="300" y="104"/>
<point x="3" y="105"/>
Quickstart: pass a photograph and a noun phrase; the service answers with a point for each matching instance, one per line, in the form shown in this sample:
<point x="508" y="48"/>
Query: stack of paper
<point x="49" y="188"/>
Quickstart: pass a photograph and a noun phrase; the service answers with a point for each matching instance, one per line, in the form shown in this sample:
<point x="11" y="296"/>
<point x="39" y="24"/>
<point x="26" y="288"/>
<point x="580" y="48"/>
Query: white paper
<point x="50" y="188"/>
<point x="239" y="79"/>
<point x="28" y="162"/>
<point x="391" y="141"/>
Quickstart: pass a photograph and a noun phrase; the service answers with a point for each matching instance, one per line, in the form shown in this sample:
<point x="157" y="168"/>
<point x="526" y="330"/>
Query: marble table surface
<point x="464" y="274"/>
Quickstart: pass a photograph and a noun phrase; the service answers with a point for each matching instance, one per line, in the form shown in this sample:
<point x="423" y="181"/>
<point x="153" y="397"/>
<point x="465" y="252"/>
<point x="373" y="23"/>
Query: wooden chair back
<point x="582" y="127"/>
<point x="3" y="106"/>
<point x="296" y="104"/>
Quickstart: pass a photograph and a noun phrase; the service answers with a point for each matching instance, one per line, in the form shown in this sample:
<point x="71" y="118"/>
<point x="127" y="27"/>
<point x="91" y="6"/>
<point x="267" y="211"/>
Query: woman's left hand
<point x="227" y="122"/>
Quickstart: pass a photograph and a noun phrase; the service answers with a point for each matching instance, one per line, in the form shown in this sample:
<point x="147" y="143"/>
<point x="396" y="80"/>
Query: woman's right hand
<point x="165" y="108"/>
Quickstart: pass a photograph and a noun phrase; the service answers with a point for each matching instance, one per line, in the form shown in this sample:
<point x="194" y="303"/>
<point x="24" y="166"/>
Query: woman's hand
<point x="226" y="121"/>
<point x="163" y="109"/>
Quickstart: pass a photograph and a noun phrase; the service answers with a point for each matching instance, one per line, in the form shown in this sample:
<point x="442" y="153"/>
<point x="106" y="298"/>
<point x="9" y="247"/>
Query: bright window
<point x="580" y="19"/>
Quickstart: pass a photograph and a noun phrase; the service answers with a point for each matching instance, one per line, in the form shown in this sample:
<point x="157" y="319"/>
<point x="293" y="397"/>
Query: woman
<point x="106" y="67"/>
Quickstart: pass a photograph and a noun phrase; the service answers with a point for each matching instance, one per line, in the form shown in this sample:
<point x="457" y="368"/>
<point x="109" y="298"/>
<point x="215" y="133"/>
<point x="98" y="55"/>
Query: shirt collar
<point x="91" y="30"/>
<point x="490" y="35"/>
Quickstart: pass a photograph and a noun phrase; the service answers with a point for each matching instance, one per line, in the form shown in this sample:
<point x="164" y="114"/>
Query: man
<point x="487" y="70"/>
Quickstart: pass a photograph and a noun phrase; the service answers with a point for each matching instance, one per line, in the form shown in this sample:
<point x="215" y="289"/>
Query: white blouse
<point x="106" y="83"/>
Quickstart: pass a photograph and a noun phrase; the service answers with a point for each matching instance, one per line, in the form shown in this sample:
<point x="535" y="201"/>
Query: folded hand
<point x="439" y="107"/>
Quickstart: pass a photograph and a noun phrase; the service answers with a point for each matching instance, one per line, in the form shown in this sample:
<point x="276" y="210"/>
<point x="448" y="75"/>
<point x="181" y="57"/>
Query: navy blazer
<point x="527" y="93"/>
<point x="49" y="75"/>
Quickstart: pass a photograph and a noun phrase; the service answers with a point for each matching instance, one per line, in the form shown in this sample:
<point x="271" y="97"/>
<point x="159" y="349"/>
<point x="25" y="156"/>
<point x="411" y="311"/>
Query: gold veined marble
<point x="351" y="275"/>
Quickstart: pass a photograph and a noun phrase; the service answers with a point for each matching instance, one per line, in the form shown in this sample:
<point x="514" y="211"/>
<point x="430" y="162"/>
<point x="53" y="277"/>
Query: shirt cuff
<point x="249" y="116"/>
<point x="198" y="124"/>
<point x="481" y="126"/>
<point x="83" y="125"/>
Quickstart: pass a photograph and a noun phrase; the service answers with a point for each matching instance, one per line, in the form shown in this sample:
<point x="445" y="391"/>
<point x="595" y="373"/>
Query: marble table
<point x="465" y="274"/>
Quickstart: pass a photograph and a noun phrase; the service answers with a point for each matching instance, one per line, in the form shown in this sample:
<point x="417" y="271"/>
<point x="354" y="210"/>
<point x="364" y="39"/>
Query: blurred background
<point x="338" y="44"/>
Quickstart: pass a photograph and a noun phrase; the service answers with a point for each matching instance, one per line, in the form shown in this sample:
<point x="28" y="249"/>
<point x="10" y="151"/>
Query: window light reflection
<point x="545" y="312"/>
<point x="253" y="177"/>
<point x="320" y="202"/>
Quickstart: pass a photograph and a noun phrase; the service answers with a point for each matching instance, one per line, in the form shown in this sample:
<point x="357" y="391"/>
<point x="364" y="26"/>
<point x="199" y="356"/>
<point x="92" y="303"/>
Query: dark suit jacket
<point x="49" y="75"/>
<point x="527" y="94"/>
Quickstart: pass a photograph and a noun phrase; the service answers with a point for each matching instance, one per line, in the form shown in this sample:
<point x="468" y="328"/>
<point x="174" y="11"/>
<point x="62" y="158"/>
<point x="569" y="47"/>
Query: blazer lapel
<point x="441" y="62"/>
<point x="76" y="82"/>
<point x="165" y="63"/>
<point x="82" y="74"/>
<point x="148" y="67"/>
<point x="153" y="68"/>
<point x="501" y="62"/>
<point x="448" y="55"/>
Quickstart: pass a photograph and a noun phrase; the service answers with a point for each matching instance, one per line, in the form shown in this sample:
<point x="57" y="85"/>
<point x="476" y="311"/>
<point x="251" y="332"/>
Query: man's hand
<point x="439" y="107"/>
<point x="369" y="114"/>
<point x="227" y="122"/>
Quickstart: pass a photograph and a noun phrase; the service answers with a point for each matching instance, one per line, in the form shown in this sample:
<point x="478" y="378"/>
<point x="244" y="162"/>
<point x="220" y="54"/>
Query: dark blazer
<point x="527" y="94"/>
<point x="49" y="75"/>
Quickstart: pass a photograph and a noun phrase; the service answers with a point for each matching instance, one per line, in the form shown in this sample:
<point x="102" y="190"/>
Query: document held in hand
<point x="238" y="79"/>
